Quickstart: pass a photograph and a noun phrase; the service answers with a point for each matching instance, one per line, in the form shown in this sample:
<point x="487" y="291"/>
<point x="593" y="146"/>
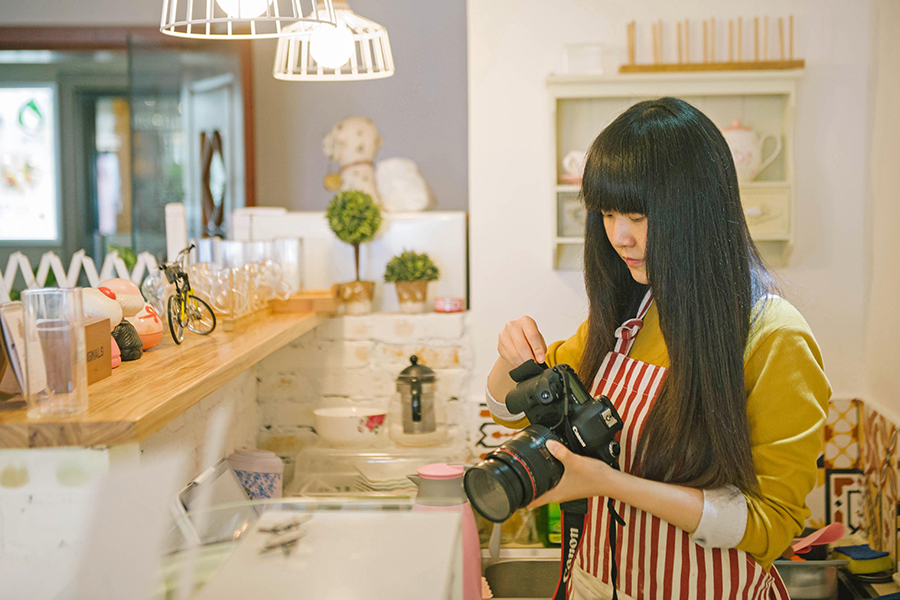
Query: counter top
<point x="141" y="396"/>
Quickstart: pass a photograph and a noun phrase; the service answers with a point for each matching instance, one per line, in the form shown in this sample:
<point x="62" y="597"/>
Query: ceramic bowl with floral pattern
<point x="351" y="426"/>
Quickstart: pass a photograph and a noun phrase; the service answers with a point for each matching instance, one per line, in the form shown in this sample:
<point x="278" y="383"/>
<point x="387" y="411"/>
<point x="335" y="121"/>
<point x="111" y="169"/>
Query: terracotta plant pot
<point x="412" y="295"/>
<point x="354" y="298"/>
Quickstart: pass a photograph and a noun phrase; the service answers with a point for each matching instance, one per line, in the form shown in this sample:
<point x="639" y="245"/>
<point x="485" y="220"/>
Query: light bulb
<point x="243" y="9"/>
<point x="331" y="47"/>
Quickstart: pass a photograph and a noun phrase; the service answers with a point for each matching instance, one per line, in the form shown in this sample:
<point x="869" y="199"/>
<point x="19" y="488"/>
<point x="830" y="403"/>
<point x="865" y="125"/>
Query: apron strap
<point x="574" y="513"/>
<point x="626" y="333"/>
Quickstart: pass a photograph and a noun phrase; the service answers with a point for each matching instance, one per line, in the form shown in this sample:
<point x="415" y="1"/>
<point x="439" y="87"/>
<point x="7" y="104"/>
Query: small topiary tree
<point x="354" y="218"/>
<point x="411" y="266"/>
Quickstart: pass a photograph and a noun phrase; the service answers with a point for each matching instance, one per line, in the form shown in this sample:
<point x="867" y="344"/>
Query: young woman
<point x="718" y="380"/>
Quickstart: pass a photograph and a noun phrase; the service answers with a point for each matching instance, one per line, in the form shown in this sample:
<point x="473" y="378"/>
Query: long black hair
<point x="666" y="160"/>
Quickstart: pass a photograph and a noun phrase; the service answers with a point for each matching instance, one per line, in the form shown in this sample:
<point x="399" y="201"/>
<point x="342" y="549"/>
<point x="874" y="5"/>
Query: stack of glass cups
<point x="258" y="275"/>
<point x="202" y="269"/>
<point x="273" y="272"/>
<point x="231" y="289"/>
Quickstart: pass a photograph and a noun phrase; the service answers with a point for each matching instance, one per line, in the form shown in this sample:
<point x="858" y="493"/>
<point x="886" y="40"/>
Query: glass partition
<point x="95" y="143"/>
<point x="187" y="140"/>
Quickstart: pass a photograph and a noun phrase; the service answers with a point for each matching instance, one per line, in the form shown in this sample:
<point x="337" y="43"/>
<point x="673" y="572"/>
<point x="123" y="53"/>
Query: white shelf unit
<point x="582" y="105"/>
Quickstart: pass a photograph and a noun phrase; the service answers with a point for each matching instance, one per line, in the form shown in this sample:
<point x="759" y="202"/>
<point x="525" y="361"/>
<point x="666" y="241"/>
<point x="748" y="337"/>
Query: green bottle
<point x="549" y="525"/>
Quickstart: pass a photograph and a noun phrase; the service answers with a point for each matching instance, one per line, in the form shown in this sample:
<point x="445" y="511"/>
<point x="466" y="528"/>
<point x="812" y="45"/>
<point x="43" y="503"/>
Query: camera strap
<point x="574" y="515"/>
<point x="613" y="568"/>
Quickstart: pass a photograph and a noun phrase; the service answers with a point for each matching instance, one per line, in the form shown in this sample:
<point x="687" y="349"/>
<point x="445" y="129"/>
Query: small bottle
<point x="549" y="525"/>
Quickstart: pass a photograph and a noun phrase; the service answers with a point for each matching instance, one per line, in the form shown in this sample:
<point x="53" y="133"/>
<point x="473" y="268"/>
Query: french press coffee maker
<point x="416" y="387"/>
<point x="414" y="418"/>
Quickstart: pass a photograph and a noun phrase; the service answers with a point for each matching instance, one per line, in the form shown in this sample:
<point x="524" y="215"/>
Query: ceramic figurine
<point x="116" y="353"/>
<point x="746" y="150"/>
<point x="148" y="325"/>
<point x="401" y="186"/>
<point x="353" y="144"/>
<point x="126" y="294"/>
<point x="97" y="304"/>
<point x="129" y="341"/>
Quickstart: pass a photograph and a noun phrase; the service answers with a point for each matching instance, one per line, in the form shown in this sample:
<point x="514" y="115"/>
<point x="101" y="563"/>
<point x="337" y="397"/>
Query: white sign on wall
<point x="29" y="205"/>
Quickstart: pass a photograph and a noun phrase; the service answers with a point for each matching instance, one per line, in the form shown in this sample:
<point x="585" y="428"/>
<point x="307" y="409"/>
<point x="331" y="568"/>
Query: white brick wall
<point x="356" y="360"/>
<point x="186" y="432"/>
<point x="345" y="360"/>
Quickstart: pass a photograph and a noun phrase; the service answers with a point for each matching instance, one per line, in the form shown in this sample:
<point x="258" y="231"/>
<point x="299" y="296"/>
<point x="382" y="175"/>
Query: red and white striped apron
<point x="655" y="559"/>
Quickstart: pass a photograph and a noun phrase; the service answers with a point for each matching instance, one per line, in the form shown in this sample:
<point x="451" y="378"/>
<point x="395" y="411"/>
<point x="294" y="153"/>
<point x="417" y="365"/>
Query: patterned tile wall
<point x="841" y="435"/>
<point x="837" y="497"/>
<point x="488" y="435"/>
<point x="879" y="465"/>
<point x="858" y="475"/>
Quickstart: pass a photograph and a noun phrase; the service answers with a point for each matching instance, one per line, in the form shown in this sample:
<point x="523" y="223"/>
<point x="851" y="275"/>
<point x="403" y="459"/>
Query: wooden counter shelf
<point x="142" y="396"/>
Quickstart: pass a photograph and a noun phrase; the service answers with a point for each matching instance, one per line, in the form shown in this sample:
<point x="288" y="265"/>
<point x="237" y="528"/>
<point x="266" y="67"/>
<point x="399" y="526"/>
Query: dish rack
<point x="325" y="472"/>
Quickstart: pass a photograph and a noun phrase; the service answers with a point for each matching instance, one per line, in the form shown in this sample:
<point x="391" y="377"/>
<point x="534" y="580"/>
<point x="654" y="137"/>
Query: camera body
<point x="555" y="398"/>
<point x="559" y="408"/>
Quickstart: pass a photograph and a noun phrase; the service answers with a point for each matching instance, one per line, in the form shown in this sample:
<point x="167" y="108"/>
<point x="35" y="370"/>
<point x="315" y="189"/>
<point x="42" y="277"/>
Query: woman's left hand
<point x="588" y="477"/>
<point x="583" y="477"/>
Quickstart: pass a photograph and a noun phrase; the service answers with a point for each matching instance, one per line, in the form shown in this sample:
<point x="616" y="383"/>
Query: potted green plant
<point x="411" y="272"/>
<point x="354" y="218"/>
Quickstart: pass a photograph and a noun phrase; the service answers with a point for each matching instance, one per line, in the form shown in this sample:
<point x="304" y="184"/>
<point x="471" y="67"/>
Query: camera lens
<point x="493" y="489"/>
<point x="514" y="474"/>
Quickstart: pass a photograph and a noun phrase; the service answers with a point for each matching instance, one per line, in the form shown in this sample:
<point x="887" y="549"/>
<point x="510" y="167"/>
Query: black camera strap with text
<point x="574" y="517"/>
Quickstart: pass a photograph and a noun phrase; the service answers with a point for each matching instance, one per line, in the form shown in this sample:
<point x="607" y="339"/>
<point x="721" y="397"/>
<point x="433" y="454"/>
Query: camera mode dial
<point x="614" y="449"/>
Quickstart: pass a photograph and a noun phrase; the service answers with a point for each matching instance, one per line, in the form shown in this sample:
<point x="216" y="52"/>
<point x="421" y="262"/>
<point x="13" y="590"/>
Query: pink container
<point x="448" y="305"/>
<point x="441" y="488"/>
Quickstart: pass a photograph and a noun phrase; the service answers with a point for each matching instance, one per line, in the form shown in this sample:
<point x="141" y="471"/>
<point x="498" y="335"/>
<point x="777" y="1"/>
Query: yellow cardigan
<point x="787" y="402"/>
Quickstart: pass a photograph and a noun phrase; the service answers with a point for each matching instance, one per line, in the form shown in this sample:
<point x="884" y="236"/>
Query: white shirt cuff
<point x="499" y="410"/>
<point x="724" y="518"/>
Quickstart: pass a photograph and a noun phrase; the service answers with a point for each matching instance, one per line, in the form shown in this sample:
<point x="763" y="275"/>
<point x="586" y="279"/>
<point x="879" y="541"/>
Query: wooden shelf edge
<point x="207" y="384"/>
<point x="37" y="434"/>
<point x="142" y="397"/>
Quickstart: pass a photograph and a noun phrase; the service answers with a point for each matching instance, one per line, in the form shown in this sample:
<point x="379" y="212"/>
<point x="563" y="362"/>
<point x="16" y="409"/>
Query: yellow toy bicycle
<point x="184" y="308"/>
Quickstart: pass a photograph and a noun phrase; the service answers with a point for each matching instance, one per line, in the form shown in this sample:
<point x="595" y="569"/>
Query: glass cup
<point x="289" y="253"/>
<point x="205" y="249"/>
<point x="55" y="359"/>
<point x="231" y="254"/>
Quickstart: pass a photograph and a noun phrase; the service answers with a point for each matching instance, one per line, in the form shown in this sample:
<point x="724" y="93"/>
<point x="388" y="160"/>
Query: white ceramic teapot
<point x="746" y="149"/>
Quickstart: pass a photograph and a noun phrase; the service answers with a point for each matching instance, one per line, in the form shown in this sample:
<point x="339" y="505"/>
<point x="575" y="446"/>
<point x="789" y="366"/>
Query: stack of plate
<point x="404" y="486"/>
<point x="384" y="477"/>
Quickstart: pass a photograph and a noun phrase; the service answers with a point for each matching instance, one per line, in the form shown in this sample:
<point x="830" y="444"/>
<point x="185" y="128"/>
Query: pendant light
<point x="355" y="49"/>
<point x="242" y="19"/>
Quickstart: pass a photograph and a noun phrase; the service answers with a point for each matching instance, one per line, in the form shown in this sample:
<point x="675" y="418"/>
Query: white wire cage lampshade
<point x="355" y="49"/>
<point x="242" y="19"/>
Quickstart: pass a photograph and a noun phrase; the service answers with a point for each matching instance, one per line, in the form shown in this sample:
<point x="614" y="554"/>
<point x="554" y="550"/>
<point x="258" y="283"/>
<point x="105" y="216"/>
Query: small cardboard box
<point x="99" y="353"/>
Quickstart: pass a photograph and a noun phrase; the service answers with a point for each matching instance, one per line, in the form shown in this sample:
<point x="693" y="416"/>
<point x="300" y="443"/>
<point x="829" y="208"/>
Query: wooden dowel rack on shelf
<point x="709" y="62"/>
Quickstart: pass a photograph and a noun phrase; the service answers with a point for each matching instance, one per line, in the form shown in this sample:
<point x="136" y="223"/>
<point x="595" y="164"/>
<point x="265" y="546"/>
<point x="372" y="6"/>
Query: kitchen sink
<point x="534" y="575"/>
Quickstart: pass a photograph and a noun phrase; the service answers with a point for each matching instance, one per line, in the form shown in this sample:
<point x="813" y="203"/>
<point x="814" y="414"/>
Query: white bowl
<point x="351" y="426"/>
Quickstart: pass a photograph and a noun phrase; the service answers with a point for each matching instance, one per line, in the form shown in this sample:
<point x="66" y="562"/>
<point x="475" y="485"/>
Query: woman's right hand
<point x="521" y="341"/>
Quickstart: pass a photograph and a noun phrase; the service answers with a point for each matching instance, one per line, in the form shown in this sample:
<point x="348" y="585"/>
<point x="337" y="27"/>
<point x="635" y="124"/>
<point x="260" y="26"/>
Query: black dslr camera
<point x="559" y="408"/>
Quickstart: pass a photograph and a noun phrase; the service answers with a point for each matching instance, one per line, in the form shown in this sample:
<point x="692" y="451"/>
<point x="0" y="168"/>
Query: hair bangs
<point x="614" y="178"/>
